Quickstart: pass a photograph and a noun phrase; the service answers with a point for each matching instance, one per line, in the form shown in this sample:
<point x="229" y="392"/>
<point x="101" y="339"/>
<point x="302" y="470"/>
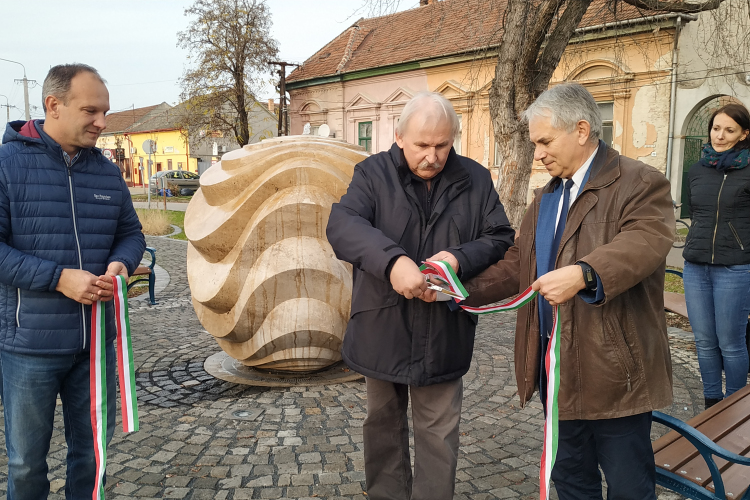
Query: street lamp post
<point x="25" y="88"/>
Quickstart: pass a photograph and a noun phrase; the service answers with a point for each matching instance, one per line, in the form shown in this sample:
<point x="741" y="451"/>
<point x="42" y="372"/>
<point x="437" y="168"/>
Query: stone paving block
<point x="297" y="491"/>
<point x="243" y="493"/>
<point x="271" y="493"/>
<point x="350" y="489"/>
<point x="176" y="492"/>
<point x="260" y="481"/>
<point x="329" y="478"/>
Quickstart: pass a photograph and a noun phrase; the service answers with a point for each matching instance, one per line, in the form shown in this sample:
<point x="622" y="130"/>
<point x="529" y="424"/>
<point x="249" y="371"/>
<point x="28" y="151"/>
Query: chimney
<point x="271" y="106"/>
<point x="423" y="3"/>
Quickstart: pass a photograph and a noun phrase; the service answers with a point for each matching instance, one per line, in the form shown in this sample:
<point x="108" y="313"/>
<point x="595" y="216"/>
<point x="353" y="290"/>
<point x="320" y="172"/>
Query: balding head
<point x="426" y="107"/>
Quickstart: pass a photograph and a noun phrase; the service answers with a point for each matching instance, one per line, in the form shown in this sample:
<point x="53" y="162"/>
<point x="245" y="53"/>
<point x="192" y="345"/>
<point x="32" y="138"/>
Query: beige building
<point x="359" y="82"/>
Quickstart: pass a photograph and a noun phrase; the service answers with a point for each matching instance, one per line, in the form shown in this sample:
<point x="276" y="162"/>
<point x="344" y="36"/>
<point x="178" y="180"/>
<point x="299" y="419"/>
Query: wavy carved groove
<point x="264" y="280"/>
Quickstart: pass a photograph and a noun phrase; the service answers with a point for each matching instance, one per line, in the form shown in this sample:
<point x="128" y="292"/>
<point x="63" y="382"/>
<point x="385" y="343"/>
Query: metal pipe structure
<point x="25" y="88"/>
<point x="7" y="107"/>
<point x="672" y="103"/>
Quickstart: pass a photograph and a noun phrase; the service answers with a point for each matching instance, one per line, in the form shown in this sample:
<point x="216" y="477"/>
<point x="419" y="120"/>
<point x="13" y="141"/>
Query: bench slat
<point x="675" y="302"/>
<point x="738" y="441"/>
<point x="698" y="420"/>
<point x="727" y="424"/>
<point x="682" y="451"/>
<point x="736" y="480"/>
<point x="142" y="270"/>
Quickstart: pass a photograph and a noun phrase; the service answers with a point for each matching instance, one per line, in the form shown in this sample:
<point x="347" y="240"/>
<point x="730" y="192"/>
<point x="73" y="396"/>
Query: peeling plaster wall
<point x="651" y="124"/>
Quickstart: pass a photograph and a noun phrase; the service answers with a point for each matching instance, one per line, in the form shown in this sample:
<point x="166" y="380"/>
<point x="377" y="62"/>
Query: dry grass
<point x="154" y="222"/>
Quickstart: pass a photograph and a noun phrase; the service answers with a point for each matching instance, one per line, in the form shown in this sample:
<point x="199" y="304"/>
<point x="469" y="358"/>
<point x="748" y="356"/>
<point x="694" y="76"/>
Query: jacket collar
<point x="33" y="132"/>
<point x="452" y="172"/>
<point x="603" y="170"/>
<point x="455" y="179"/>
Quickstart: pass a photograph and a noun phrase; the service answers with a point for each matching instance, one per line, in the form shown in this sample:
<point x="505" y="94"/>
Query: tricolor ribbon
<point x="441" y="277"/>
<point x="98" y="379"/>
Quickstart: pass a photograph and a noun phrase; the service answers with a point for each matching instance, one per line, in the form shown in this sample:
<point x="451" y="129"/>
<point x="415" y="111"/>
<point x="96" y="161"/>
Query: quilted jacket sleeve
<point x="129" y="243"/>
<point x="17" y="268"/>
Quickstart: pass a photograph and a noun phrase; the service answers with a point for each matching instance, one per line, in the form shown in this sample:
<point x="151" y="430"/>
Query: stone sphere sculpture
<point x="264" y="279"/>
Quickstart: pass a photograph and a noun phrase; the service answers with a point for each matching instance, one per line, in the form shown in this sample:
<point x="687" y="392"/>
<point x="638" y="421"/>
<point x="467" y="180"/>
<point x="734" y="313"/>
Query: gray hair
<point x="567" y="104"/>
<point x="57" y="82"/>
<point x="430" y="102"/>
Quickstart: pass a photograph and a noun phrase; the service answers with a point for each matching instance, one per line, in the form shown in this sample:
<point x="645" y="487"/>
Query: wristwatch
<point x="589" y="276"/>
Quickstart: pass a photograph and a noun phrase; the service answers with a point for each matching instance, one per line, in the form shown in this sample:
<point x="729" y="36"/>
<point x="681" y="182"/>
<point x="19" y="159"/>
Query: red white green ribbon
<point x="442" y="273"/>
<point x="551" y="423"/>
<point x="98" y="377"/>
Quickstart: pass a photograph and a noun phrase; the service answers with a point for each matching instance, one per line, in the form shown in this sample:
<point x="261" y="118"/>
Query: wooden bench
<point x="685" y="456"/>
<point x="150" y="276"/>
<point x="685" y="460"/>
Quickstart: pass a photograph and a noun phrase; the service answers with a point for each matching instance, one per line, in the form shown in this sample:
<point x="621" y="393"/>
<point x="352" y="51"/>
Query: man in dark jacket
<point x="419" y="201"/>
<point x="67" y="224"/>
<point x="593" y="242"/>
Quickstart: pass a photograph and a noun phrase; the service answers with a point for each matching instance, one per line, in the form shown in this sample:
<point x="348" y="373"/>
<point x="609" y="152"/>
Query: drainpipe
<point x="672" y="104"/>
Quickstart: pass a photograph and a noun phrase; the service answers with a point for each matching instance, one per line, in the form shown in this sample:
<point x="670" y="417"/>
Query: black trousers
<point x="621" y="446"/>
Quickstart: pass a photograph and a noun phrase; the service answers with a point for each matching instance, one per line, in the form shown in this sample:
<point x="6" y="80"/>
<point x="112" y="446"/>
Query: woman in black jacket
<point x="717" y="252"/>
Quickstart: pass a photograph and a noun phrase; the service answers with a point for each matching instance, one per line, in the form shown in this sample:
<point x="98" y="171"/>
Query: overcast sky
<point x="133" y="43"/>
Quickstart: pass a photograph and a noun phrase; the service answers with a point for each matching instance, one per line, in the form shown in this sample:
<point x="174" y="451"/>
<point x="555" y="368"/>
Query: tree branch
<point x="557" y="43"/>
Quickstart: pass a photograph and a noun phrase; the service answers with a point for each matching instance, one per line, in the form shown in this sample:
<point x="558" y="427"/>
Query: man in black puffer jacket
<point x="419" y="201"/>
<point x="67" y="224"/>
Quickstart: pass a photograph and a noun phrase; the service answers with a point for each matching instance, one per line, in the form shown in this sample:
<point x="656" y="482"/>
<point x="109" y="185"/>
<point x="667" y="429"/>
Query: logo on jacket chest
<point x="103" y="197"/>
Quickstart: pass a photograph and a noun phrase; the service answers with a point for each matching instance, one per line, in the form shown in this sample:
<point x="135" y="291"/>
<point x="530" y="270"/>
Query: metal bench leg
<point x="151" y="288"/>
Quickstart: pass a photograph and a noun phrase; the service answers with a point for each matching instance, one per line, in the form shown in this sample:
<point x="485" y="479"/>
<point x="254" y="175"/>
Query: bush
<point x="154" y="222"/>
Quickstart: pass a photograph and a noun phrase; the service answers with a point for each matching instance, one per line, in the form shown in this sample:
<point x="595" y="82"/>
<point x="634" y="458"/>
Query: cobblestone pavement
<point x="195" y="442"/>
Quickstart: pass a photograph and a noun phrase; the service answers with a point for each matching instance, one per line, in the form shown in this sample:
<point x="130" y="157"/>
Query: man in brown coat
<point x="594" y="241"/>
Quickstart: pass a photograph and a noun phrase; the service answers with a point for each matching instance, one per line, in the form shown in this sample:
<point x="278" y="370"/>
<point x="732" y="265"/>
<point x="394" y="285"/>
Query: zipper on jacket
<point x="78" y="247"/>
<point x="736" y="235"/>
<point x="18" y="309"/>
<point x="628" y="374"/>
<point x="716" y="227"/>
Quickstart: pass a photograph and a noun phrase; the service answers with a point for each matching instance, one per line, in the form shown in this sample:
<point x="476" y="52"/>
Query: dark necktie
<point x="546" y="309"/>
<point x="561" y="223"/>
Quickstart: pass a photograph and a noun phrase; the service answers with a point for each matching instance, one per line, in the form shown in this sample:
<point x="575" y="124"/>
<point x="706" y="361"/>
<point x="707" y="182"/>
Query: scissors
<point x="431" y="285"/>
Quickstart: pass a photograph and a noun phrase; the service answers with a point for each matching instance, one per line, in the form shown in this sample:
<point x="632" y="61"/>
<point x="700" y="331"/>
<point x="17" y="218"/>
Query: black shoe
<point x="711" y="401"/>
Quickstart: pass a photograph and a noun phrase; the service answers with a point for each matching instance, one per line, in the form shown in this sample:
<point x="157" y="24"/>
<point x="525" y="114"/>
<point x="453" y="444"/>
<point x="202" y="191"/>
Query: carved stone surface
<point x="263" y="278"/>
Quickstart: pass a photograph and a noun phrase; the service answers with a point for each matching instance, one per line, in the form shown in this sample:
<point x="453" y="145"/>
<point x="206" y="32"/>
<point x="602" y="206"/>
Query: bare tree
<point x="533" y="37"/>
<point x="229" y="43"/>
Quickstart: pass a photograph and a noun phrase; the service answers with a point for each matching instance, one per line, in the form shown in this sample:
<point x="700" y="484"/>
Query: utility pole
<point x="283" y="110"/>
<point x="25" y="87"/>
<point x="7" y="107"/>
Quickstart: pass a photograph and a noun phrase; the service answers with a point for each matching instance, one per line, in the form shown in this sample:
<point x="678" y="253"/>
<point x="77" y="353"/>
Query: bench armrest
<point x="152" y="251"/>
<point x="705" y="447"/>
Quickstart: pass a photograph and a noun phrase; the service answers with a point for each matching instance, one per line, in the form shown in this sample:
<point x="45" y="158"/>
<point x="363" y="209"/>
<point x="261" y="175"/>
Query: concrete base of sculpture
<point x="224" y="367"/>
<point x="264" y="280"/>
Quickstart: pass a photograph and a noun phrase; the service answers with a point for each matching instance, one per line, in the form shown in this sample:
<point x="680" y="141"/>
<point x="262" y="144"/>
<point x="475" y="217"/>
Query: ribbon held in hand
<point x="98" y="377"/>
<point x="440" y="277"/>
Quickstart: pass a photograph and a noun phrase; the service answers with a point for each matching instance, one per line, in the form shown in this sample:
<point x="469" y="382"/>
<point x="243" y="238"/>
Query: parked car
<point x="187" y="182"/>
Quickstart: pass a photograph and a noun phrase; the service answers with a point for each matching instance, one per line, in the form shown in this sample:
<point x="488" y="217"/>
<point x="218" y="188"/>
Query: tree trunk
<point x="519" y="79"/>
<point x="514" y="174"/>
<point x="510" y="134"/>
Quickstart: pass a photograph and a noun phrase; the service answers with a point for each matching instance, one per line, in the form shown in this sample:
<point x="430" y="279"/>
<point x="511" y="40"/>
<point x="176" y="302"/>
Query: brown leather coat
<point x="615" y="358"/>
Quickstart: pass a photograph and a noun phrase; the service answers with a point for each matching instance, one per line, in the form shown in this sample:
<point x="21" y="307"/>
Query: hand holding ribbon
<point x="98" y="376"/>
<point x="442" y="272"/>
